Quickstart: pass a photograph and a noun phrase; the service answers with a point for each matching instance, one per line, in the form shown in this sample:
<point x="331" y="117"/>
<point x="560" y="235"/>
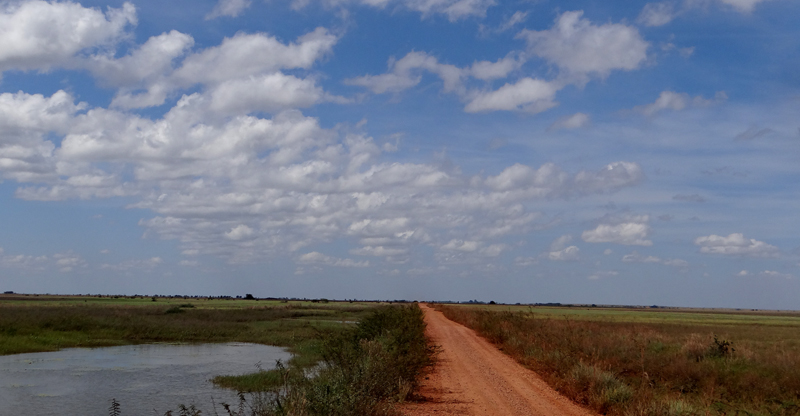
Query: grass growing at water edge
<point x="27" y="326"/>
<point x="364" y="370"/>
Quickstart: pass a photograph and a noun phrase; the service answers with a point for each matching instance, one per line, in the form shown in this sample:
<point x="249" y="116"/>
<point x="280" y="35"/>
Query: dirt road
<point x="472" y="377"/>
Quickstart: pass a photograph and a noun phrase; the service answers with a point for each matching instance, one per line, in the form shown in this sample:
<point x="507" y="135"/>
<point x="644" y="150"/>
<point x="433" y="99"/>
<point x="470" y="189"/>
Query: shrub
<point x="174" y="309"/>
<point x="364" y="370"/>
<point x="721" y="349"/>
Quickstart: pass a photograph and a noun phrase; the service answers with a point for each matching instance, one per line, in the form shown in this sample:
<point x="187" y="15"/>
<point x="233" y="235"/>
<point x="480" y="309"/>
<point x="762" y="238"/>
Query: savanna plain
<point x="652" y="361"/>
<point x="367" y="358"/>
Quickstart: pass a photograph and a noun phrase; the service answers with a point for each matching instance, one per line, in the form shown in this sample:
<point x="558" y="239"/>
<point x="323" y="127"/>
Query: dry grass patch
<point x="650" y="368"/>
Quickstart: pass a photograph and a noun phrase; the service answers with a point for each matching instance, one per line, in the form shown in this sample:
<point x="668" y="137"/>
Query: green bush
<point x="364" y="370"/>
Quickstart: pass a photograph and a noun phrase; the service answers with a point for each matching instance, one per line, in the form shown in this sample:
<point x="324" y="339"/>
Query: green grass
<point x="49" y="323"/>
<point x="52" y="323"/>
<point x="366" y="369"/>
<point x="653" y="362"/>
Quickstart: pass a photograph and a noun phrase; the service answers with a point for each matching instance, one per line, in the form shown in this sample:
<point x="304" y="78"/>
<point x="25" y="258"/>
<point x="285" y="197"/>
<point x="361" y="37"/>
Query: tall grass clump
<point x="364" y="371"/>
<point x="627" y="368"/>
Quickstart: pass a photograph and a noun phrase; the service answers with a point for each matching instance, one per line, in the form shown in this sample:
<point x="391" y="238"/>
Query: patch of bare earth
<point x="472" y="377"/>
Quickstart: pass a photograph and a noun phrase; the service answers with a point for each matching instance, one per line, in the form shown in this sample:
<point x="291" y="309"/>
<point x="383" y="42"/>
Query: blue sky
<point x="527" y="151"/>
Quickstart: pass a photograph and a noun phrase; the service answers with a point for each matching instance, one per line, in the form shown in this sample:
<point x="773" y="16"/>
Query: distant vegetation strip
<point x="650" y="368"/>
<point x="49" y="325"/>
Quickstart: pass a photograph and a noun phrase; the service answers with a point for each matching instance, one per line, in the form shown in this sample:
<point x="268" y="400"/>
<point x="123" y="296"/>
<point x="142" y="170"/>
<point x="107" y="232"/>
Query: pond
<point x="145" y="379"/>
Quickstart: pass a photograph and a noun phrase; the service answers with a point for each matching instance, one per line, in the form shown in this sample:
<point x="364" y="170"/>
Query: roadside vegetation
<point x="647" y="363"/>
<point x="364" y="371"/>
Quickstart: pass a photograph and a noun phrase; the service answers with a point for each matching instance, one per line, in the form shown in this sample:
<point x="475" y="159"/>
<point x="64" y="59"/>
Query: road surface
<point x="472" y="377"/>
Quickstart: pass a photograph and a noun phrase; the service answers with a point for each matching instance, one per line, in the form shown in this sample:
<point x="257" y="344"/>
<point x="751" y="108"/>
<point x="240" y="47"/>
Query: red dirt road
<point x="472" y="377"/>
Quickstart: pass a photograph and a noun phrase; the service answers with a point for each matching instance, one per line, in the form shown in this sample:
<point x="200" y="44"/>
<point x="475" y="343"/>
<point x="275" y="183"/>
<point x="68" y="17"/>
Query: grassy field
<point x="48" y="323"/>
<point x="653" y="361"/>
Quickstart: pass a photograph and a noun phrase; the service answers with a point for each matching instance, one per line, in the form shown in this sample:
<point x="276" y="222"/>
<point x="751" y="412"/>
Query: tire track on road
<point x="472" y="377"/>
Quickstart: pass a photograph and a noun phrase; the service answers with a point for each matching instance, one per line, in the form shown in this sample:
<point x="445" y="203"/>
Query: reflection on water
<point x="144" y="379"/>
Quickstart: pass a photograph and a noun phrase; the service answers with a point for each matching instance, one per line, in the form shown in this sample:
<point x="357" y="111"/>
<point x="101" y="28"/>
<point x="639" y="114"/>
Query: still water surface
<point x="144" y="379"/>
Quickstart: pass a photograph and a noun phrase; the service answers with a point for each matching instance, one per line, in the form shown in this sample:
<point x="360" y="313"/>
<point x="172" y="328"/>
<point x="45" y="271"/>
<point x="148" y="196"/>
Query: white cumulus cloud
<point x="42" y="35"/>
<point x="528" y="95"/>
<point x="656" y="14"/>
<point x="407" y="72"/>
<point x="735" y="245"/>
<point x="267" y="93"/>
<point x="577" y="46"/>
<point x="239" y="232"/>
<point x="633" y="232"/>
<point x="244" y="60"/>
<point x="571" y="253"/>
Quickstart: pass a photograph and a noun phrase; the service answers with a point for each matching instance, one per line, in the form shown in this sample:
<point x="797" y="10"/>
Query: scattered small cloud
<point x="632" y="230"/>
<point x="772" y="273"/>
<point x="497" y="143"/>
<point x="515" y="19"/>
<point x="239" y="232"/>
<point x="571" y="253"/>
<point x="493" y="250"/>
<point x="753" y="133"/>
<point x="670" y="100"/>
<point x="560" y="242"/>
<point x="525" y="261"/>
<point x="735" y="245"/>
<point x="528" y="95"/>
<point x="603" y="274"/>
<point x="461" y="245"/>
<point x="726" y="171"/>
<point x="689" y="198"/>
<point x="316" y="257"/>
<point x="657" y="14"/>
<point x="69" y="261"/>
<point x="635" y="257"/>
<point x="231" y="8"/>
<point x="574" y="121"/>
<point x="742" y="6"/>
<point x="686" y="52"/>
<point x="135" y="264"/>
